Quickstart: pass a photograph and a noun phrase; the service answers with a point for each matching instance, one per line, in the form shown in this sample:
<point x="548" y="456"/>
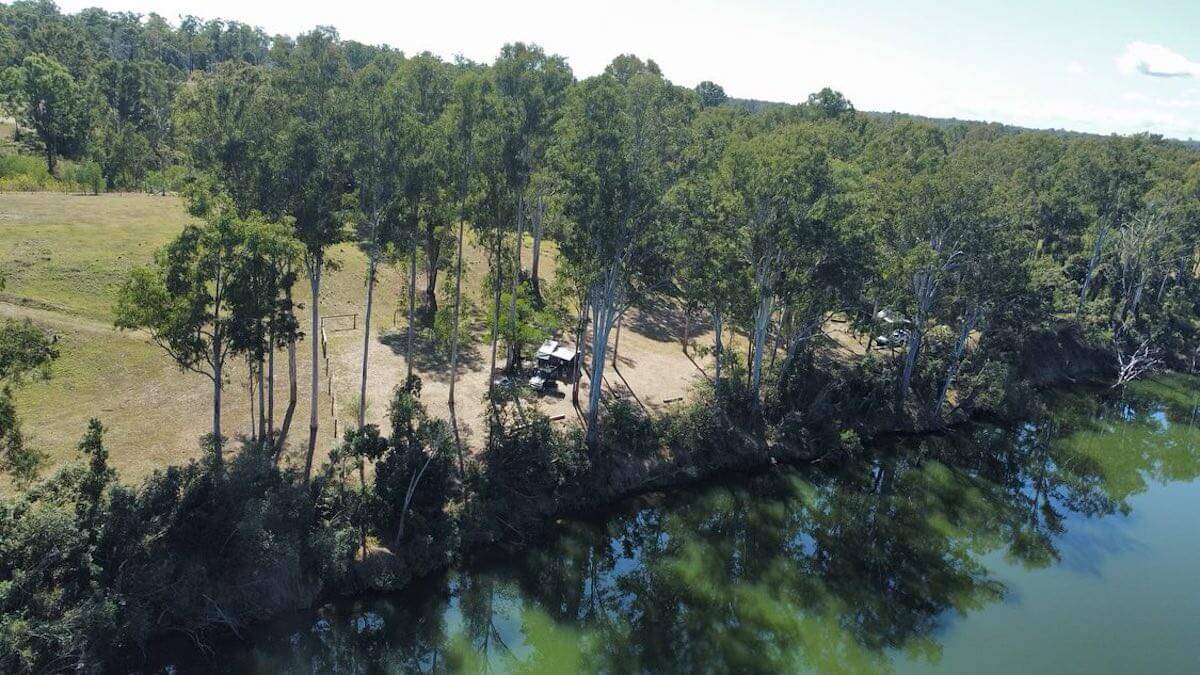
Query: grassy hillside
<point x="70" y="253"/>
<point x="66" y="256"/>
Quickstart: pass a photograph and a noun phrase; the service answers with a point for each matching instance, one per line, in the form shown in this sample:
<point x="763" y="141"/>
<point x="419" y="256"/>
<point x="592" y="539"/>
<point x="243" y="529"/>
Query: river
<point x="1069" y="543"/>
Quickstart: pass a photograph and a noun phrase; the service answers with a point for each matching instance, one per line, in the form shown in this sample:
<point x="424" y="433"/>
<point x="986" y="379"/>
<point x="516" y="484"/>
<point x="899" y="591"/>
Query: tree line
<point x="965" y="247"/>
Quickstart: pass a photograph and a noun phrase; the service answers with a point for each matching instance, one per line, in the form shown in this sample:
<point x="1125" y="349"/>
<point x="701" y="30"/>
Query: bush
<point x="24" y="173"/>
<point x="172" y="180"/>
<point x="89" y="568"/>
<point x="86" y="176"/>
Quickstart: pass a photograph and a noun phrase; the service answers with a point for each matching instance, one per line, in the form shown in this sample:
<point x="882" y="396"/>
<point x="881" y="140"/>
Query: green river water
<point x="1067" y="544"/>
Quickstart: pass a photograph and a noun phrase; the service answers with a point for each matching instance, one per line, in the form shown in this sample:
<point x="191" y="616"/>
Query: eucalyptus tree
<point x="934" y="251"/>
<point x="225" y="122"/>
<point x="705" y="257"/>
<point x="616" y="153"/>
<point x="49" y="101"/>
<point x="311" y="164"/>
<point x="472" y="97"/>
<point x="532" y="87"/>
<point x="783" y="196"/>
<point x="382" y="146"/>
<point x="1113" y="175"/>
<point x="414" y="98"/>
<point x="182" y="300"/>
<point x="263" y="315"/>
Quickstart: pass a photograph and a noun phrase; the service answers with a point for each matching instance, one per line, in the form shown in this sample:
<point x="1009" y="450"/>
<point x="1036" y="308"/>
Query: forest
<point x="989" y="261"/>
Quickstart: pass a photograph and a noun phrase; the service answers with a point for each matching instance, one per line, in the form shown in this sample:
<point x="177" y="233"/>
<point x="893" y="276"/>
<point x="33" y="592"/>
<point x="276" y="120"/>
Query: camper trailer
<point x="553" y="362"/>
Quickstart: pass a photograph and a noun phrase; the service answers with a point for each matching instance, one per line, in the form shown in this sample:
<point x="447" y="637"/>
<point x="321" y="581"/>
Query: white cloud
<point x="1156" y="61"/>
<point x="1075" y="68"/>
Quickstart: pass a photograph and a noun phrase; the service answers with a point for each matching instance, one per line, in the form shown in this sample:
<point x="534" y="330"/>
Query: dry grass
<point x="71" y="252"/>
<point x="66" y="256"/>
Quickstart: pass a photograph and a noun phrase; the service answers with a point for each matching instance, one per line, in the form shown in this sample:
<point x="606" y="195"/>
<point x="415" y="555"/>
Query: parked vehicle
<point x="543" y="381"/>
<point x="897" y="338"/>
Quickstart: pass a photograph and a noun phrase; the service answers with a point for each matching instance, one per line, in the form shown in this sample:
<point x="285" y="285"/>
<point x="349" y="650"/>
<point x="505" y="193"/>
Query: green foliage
<point x="711" y="94"/>
<point x="533" y="325"/>
<point x="416" y="471"/>
<point x="527" y="473"/>
<point x="53" y="104"/>
<point x="25" y="353"/>
<point x="88" y="175"/>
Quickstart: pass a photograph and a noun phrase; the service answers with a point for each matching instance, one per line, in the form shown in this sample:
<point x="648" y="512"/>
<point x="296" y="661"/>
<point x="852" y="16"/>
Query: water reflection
<point x="834" y="570"/>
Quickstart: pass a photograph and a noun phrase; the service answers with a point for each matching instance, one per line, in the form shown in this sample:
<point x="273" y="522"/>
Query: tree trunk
<point x="1097" y="248"/>
<point x="262" y="403"/>
<point x="617" y="342"/>
<point x="362" y="388"/>
<point x="513" y="355"/>
<point x="968" y="324"/>
<point x="454" y="346"/>
<point x="762" y="320"/>
<point x="216" y="413"/>
<point x="687" y="329"/>
<point x="602" y="323"/>
<point x="716" y="319"/>
<point x="412" y="306"/>
<point x="293" y="395"/>
<point x="539" y="214"/>
<point x="408" y="495"/>
<point x="579" y="351"/>
<point x="779" y="328"/>
<point x="433" y="254"/>
<point x="912" y="349"/>
<point x="218" y="363"/>
<point x="749" y="355"/>
<point x="250" y="390"/>
<point x="271" y="390"/>
<point x="496" y="276"/>
<point x="604" y="315"/>
<point x="314" y="277"/>
<point x="924" y="288"/>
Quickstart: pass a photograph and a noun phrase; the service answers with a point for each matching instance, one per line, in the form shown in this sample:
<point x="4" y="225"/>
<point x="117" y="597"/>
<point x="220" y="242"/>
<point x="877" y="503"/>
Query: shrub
<point x="86" y="176"/>
<point x="24" y="173"/>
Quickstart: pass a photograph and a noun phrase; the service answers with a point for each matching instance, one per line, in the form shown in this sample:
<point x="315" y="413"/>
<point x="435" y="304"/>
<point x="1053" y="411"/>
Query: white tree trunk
<point x="717" y="326"/>
<point x="412" y="306"/>
<point x="315" y="381"/>
<point x="969" y="321"/>
<point x="604" y="305"/>
<point x="366" y="350"/>
<point x="538" y="215"/>
<point x="1097" y="248"/>
<point x="454" y="347"/>
<point x="762" y="321"/>
<point x="513" y="356"/>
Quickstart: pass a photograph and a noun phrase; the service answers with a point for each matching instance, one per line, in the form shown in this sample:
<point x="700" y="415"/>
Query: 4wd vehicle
<point x="897" y="338"/>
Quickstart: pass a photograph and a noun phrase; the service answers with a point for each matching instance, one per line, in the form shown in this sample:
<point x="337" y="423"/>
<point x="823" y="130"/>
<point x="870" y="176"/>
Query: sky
<point x="1102" y="66"/>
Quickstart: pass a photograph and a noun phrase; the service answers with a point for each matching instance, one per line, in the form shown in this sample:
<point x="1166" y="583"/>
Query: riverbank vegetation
<point x="886" y="274"/>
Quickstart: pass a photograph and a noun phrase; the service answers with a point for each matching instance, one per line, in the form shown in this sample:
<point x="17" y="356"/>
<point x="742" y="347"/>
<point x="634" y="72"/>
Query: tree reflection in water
<point x="814" y="569"/>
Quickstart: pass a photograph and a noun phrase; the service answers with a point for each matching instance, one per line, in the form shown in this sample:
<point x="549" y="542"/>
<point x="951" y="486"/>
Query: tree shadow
<point x="430" y="358"/>
<point x="695" y="363"/>
<point x="657" y="318"/>
<point x="623" y="390"/>
<point x="622" y="360"/>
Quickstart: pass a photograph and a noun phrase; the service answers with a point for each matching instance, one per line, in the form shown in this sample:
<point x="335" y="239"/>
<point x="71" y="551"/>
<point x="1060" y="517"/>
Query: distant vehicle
<point x="897" y="338"/>
<point x="555" y="360"/>
<point x="543" y="383"/>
